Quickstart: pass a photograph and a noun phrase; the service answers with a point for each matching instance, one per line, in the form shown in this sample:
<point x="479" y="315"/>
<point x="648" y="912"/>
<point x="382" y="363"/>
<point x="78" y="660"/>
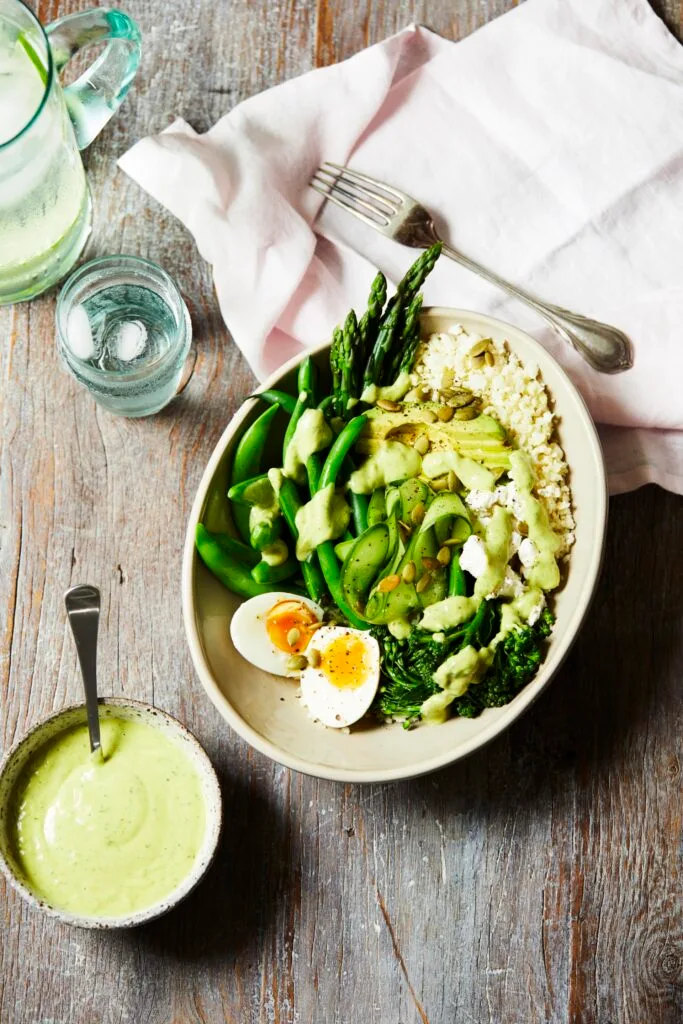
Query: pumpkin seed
<point x="297" y="663"/>
<point x="452" y="480"/>
<point x="431" y="564"/>
<point x="480" y="347"/>
<point x="489" y="358"/>
<point x="447" y="377"/>
<point x="314" y="658"/>
<point x="423" y="582"/>
<point x="469" y="412"/>
<point x="409" y="572"/>
<point x="429" y="416"/>
<point x="384" y="403"/>
<point x="425" y="393"/>
<point x="293" y="637"/>
<point x="444" y="555"/>
<point x="459" y="397"/>
<point x="452" y="542"/>
<point x="389" y="583"/>
<point x="439" y="485"/>
<point x="476" y="362"/>
<point x="418" y="513"/>
<point x="421" y="444"/>
<point x="445" y="413"/>
<point x="413" y="395"/>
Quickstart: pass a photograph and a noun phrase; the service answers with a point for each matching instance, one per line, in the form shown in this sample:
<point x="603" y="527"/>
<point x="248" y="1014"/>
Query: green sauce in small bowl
<point x="108" y="840"/>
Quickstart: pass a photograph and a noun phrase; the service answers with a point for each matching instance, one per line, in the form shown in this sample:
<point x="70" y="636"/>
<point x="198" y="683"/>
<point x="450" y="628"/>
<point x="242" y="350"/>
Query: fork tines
<point x="371" y="200"/>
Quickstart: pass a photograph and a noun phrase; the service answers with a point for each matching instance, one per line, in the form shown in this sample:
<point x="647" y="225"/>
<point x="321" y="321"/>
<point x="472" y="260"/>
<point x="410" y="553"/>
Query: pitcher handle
<point x="94" y="97"/>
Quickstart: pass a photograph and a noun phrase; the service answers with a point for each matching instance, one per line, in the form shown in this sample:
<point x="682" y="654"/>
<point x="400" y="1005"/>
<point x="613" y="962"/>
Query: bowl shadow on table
<point x="619" y="674"/>
<point x="234" y="903"/>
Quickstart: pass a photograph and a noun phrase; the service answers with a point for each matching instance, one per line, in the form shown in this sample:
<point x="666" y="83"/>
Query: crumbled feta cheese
<point x="515" y="541"/>
<point x="511" y="586"/>
<point x="535" y="613"/>
<point x="479" y="501"/>
<point x="528" y="553"/>
<point x="473" y="557"/>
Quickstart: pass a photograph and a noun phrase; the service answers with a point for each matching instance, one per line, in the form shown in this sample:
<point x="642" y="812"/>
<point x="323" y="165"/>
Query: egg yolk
<point x="344" y="662"/>
<point x="286" y="616"/>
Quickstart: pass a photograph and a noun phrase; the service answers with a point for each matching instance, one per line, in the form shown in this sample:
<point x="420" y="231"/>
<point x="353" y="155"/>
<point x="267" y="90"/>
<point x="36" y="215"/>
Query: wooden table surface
<point x="536" y="881"/>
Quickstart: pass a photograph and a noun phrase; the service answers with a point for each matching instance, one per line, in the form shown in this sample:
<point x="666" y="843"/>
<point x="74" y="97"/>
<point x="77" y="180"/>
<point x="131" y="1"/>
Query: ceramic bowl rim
<point x="214" y="822"/>
<point x="510" y="712"/>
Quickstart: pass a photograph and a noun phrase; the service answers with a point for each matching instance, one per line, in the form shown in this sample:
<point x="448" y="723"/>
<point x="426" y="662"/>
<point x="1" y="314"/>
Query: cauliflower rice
<point x="516" y="396"/>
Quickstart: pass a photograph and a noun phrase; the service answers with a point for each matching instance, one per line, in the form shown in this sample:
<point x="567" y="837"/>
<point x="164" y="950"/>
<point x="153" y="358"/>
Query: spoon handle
<point x="83" y="609"/>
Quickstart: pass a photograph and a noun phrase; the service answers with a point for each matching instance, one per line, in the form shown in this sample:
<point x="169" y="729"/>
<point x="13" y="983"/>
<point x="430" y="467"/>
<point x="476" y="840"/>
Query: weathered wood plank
<point x="537" y="881"/>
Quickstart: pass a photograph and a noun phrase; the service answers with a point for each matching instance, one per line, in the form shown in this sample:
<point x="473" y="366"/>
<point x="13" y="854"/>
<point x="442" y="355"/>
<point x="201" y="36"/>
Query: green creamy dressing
<point x="545" y="573"/>
<point x="325" y="517"/>
<point x="449" y="613"/>
<point x="391" y="462"/>
<point x="497" y="537"/>
<point x="108" y="837"/>
<point x="469" y="666"/>
<point x="264" y="501"/>
<point x="275" y="554"/>
<point x="312" y="434"/>
<point x="390" y="393"/>
<point x="474" y="476"/>
<point x="400" y="628"/>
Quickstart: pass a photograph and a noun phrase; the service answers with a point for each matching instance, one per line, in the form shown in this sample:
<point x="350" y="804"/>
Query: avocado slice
<point x="482" y="438"/>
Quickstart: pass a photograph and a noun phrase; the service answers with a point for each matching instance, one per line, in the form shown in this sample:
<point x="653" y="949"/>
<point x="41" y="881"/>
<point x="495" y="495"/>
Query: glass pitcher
<point x="45" y="212"/>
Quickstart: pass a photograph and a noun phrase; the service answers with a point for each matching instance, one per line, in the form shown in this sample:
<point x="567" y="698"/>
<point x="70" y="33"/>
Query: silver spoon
<point x="83" y="609"/>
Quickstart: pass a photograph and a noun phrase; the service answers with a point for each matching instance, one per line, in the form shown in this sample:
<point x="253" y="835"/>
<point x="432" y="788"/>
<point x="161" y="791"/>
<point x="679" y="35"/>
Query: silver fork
<point x="402" y="218"/>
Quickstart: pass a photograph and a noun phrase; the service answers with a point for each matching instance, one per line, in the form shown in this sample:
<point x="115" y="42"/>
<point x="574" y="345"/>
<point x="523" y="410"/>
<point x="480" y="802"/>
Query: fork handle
<point x="605" y="348"/>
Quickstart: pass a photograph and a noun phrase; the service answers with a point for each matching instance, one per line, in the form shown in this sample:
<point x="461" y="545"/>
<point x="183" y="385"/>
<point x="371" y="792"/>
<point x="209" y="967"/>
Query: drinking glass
<point x="45" y="210"/>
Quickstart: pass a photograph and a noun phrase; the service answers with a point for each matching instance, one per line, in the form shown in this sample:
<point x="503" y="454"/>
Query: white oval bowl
<point x="114" y="707"/>
<point x="263" y="709"/>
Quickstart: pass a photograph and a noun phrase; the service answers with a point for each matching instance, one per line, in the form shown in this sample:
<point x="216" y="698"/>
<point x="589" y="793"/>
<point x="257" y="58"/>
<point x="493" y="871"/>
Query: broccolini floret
<point x="515" y="663"/>
<point x="409" y="665"/>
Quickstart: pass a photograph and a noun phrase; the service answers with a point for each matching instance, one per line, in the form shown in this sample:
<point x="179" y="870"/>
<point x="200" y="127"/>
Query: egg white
<point x="333" y="706"/>
<point x="250" y="636"/>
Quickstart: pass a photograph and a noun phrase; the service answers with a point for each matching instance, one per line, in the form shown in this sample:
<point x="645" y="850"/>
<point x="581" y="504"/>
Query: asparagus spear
<point x="335" y="367"/>
<point x="369" y="322"/>
<point x="405" y="349"/>
<point x="390" y="324"/>
<point x="348" y="353"/>
<point x="385" y="337"/>
<point x="416" y="275"/>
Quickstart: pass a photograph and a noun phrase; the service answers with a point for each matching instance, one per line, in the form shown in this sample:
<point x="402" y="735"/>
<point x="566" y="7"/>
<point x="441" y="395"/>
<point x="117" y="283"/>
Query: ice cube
<point x="79" y="334"/>
<point x="130" y="341"/>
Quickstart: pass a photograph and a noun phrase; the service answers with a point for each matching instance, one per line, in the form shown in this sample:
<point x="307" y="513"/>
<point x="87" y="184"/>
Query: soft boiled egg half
<point x="268" y="630"/>
<point x="342" y="676"/>
<point x="340" y="679"/>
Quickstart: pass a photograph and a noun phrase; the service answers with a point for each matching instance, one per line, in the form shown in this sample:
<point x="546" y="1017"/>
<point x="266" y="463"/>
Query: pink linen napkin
<point x="550" y="146"/>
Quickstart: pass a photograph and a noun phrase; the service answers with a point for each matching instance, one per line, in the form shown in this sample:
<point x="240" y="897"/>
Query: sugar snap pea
<point x="232" y="573"/>
<point x="329" y="563"/>
<point x="305" y="380"/>
<point x="248" y="460"/>
<point x="264" y="573"/>
<point x="457" y="585"/>
<point x="244" y="492"/>
<point x="263" y="533"/>
<point x="281" y="398"/>
<point x="340" y="449"/>
<point x="236" y="549"/>
<point x="290" y="503"/>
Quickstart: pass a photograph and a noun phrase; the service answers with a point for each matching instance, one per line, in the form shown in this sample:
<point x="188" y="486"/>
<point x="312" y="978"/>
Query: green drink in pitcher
<point x="45" y="211"/>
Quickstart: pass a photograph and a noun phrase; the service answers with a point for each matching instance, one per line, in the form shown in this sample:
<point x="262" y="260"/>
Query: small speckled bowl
<point x="14" y="761"/>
